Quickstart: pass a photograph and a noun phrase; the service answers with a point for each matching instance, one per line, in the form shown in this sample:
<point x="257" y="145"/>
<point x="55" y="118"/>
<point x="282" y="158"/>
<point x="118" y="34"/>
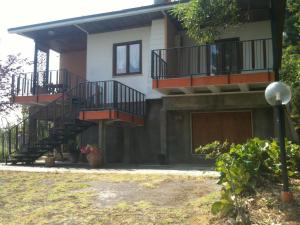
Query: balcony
<point x="226" y="66"/>
<point x="42" y="87"/>
<point x="111" y="100"/>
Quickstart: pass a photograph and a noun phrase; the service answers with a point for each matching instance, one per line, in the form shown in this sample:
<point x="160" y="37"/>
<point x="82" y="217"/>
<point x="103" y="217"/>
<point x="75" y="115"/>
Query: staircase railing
<point x="27" y="134"/>
<point x="87" y="96"/>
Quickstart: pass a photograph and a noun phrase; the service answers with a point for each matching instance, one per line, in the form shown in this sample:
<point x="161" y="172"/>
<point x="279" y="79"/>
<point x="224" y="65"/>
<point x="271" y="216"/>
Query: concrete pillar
<point x="127" y="143"/>
<point x="101" y="138"/>
<point x="163" y="134"/>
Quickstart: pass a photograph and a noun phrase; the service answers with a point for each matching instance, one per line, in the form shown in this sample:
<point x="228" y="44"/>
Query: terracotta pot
<point x="94" y="159"/>
<point x="286" y="196"/>
<point x="49" y="161"/>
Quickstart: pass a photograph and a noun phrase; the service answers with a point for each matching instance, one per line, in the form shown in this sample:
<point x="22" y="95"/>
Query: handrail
<point x="37" y="126"/>
<point x="220" y="58"/>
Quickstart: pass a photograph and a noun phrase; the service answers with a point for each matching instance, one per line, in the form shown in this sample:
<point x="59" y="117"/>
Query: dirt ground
<point x="169" y="193"/>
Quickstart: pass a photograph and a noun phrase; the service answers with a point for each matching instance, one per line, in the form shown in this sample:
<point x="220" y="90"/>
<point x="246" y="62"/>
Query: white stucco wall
<point x="100" y="55"/>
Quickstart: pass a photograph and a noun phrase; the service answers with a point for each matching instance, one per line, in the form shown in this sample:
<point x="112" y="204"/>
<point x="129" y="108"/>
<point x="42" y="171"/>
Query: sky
<point x="16" y="13"/>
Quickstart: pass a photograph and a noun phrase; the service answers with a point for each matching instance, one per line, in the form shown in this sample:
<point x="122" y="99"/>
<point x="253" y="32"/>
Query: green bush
<point x="245" y="167"/>
<point x="213" y="150"/>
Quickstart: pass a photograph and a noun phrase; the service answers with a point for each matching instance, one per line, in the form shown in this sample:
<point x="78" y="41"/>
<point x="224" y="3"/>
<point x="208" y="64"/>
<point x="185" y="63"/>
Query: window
<point x="127" y="58"/>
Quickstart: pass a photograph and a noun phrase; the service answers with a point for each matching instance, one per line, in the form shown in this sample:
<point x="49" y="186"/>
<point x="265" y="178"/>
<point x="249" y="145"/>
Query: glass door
<point x="225" y="56"/>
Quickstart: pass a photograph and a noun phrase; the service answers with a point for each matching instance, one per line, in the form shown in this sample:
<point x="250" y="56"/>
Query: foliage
<point x="292" y="23"/>
<point x="213" y="150"/>
<point x="290" y="69"/>
<point x="204" y="19"/>
<point x="249" y="166"/>
<point x="13" y="65"/>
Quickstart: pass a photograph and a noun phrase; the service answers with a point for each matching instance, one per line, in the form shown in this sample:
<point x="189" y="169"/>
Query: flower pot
<point x="49" y="161"/>
<point x="286" y="196"/>
<point x="94" y="159"/>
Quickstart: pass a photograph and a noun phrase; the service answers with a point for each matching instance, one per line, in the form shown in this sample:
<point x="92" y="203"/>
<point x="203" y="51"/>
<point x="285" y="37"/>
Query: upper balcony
<point x="43" y="86"/>
<point x="228" y="65"/>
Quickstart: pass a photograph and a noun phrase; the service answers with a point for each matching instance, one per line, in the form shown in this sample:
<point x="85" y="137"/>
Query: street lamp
<point x="278" y="94"/>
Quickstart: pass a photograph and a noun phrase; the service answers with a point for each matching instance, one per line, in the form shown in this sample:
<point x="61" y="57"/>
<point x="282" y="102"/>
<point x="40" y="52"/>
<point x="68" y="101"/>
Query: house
<point x="133" y="82"/>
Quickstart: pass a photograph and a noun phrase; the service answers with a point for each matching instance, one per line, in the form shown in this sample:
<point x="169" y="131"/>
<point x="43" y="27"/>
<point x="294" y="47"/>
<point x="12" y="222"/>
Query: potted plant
<point x="93" y="154"/>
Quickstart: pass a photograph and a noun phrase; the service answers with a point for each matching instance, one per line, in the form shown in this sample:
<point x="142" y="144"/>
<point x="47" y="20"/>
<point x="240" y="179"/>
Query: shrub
<point x="248" y="166"/>
<point x="214" y="149"/>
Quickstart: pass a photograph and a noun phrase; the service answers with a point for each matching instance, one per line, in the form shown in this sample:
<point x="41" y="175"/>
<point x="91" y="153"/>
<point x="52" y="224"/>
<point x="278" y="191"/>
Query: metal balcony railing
<point x="111" y="95"/>
<point x="223" y="57"/>
<point x="44" y="82"/>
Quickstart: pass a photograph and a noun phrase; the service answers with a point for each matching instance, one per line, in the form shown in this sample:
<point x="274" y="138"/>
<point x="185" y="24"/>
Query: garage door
<point x="236" y="127"/>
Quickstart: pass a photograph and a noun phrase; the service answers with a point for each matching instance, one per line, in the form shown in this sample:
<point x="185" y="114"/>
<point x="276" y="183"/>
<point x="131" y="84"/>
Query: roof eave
<point x="91" y="18"/>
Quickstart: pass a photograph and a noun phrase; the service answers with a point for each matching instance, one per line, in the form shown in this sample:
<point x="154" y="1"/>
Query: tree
<point x="292" y="23"/>
<point x="13" y="65"/>
<point x="204" y="19"/>
<point x="290" y="71"/>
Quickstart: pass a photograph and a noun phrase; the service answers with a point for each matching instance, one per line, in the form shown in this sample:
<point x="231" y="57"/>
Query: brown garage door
<point x="232" y="126"/>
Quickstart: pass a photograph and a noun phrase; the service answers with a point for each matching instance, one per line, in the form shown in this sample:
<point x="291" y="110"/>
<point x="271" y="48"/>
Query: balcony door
<point x="225" y="56"/>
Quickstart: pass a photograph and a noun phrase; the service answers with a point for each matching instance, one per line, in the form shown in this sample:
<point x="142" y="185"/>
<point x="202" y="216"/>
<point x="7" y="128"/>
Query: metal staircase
<point x="57" y="122"/>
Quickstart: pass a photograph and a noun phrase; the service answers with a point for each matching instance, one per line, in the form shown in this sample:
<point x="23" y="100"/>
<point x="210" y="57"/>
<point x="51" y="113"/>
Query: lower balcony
<point x="226" y="66"/>
<point x="111" y="101"/>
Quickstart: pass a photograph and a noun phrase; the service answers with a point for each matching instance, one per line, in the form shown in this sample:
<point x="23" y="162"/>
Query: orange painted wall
<point x="75" y="62"/>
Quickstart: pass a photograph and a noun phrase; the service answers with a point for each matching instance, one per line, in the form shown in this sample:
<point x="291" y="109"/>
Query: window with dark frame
<point x="127" y="58"/>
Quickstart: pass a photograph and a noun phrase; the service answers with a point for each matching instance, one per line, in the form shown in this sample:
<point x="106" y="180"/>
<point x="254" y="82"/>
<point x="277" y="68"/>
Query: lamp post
<point x="278" y="94"/>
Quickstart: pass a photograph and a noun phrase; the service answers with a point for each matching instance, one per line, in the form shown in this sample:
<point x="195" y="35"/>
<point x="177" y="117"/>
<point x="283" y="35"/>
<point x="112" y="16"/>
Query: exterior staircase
<point x="58" y="122"/>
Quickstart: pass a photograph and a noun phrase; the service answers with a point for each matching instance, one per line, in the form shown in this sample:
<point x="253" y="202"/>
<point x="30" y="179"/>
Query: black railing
<point x="224" y="57"/>
<point x="102" y="95"/>
<point x="30" y="132"/>
<point x="112" y="95"/>
<point x="44" y="82"/>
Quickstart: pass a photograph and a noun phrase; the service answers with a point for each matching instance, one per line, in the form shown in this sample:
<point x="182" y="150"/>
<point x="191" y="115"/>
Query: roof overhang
<point x="71" y="34"/>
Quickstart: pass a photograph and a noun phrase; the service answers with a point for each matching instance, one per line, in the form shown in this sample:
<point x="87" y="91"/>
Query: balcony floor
<point x="36" y="99"/>
<point x="214" y="84"/>
<point x="113" y="115"/>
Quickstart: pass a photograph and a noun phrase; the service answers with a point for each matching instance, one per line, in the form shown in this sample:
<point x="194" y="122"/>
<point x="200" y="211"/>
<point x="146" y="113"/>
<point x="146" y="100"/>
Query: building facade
<point x="133" y="82"/>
